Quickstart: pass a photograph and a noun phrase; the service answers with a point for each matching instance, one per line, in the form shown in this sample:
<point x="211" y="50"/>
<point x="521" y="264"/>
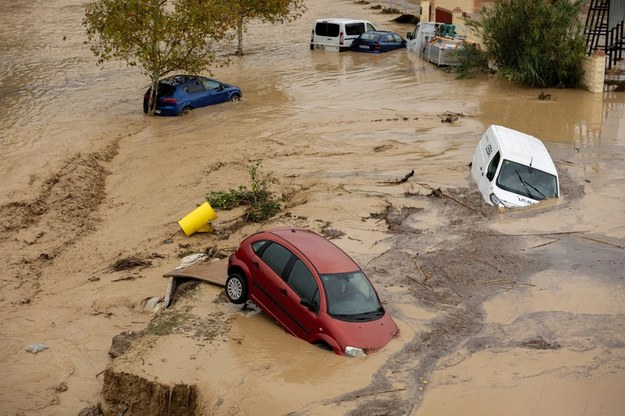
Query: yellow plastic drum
<point x="198" y="220"/>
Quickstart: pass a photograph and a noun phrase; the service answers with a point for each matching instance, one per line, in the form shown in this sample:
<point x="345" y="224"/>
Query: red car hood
<point x="370" y="336"/>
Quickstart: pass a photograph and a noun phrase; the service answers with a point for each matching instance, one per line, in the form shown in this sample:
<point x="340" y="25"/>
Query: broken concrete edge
<point x="132" y="394"/>
<point x="171" y="288"/>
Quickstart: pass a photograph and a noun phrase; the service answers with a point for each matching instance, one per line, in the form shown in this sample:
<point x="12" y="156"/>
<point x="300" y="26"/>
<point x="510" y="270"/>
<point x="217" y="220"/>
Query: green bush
<point x="538" y="43"/>
<point x="259" y="201"/>
<point x="473" y="60"/>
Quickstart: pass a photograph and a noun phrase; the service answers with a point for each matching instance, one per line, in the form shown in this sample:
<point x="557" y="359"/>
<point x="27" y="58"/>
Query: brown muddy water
<point x="513" y="312"/>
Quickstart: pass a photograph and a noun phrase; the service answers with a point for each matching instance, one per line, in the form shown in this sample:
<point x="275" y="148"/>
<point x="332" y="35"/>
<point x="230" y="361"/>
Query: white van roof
<point x="341" y="20"/>
<point x="522" y="148"/>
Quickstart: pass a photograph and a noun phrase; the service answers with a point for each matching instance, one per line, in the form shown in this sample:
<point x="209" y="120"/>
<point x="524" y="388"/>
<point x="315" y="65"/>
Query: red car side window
<point x="276" y="257"/>
<point x="303" y="282"/>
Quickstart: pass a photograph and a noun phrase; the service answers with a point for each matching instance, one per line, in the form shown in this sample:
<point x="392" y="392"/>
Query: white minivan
<point x="337" y="34"/>
<point x="513" y="169"/>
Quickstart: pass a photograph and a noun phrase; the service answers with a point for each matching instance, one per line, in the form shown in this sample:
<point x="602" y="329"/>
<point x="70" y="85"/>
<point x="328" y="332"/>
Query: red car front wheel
<point x="236" y="288"/>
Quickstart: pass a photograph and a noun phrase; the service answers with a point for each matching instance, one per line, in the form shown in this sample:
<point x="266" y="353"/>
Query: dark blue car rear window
<point x="370" y="36"/>
<point x="165" y="90"/>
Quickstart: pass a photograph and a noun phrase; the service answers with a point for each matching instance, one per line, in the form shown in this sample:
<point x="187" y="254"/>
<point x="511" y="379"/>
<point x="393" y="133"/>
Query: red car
<point x="312" y="289"/>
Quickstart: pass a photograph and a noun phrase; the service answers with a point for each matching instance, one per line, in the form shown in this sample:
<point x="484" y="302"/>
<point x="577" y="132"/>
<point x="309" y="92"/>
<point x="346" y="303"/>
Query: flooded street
<point x="511" y="312"/>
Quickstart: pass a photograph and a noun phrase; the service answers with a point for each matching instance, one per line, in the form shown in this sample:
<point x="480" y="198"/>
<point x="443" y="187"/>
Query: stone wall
<point x="594" y="71"/>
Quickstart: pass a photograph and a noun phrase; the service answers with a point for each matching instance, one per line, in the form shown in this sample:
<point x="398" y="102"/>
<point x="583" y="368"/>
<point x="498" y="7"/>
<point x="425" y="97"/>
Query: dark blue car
<point x="376" y="41"/>
<point x="180" y="94"/>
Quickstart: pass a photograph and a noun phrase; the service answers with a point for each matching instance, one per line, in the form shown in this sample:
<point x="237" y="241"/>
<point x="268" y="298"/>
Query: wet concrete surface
<point x="501" y="312"/>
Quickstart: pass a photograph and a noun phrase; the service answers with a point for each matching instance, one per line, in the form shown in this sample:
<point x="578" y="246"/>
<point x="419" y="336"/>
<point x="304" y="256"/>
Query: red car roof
<point x="325" y="255"/>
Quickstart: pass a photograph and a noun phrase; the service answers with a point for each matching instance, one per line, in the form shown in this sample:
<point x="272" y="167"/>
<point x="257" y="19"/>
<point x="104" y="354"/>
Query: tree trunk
<point x="240" y="36"/>
<point x="153" y="93"/>
<point x="155" y="75"/>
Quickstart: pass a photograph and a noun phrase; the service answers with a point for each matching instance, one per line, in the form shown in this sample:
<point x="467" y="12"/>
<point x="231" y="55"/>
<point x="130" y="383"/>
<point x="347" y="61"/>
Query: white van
<point x="337" y="34"/>
<point x="437" y="43"/>
<point x="422" y="34"/>
<point x="513" y="169"/>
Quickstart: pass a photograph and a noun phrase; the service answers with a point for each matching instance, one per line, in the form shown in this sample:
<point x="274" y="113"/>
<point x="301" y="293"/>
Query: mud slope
<point x="33" y="232"/>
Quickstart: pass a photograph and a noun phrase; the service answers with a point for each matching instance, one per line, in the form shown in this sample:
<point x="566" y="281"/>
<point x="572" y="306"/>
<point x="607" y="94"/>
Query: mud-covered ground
<point x="435" y="280"/>
<point x="510" y="312"/>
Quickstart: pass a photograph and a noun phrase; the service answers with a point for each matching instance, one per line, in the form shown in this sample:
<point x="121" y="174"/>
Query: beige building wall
<point x="470" y="7"/>
<point x="458" y="8"/>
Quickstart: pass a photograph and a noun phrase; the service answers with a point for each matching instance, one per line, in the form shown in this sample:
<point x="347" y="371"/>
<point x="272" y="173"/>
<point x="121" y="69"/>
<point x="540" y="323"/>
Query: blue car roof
<point x="179" y="79"/>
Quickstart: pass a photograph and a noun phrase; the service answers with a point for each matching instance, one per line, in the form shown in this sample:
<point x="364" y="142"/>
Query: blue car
<point x="179" y="94"/>
<point x="376" y="41"/>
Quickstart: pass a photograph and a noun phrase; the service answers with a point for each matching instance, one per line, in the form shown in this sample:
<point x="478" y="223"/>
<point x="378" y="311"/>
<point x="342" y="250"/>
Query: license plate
<point x="363" y="46"/>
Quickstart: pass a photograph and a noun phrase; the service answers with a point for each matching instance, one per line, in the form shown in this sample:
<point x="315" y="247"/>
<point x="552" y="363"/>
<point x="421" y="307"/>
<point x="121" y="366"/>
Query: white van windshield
<point x="527" y="181"/>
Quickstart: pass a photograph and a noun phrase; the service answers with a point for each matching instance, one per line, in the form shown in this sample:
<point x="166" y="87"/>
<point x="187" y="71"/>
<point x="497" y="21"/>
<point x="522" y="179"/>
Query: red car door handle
<point x="283" y="291"/>
<point x="255" y="264"/>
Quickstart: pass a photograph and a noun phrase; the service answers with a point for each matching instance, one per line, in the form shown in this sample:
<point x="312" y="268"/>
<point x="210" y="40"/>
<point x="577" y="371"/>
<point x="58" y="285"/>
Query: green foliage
<point x="227" y="199"/>
<point x="258" y="199"/>
<point x="157" y="36"/>
<point x="538" y="43"/>
<point x="472" y="61"/>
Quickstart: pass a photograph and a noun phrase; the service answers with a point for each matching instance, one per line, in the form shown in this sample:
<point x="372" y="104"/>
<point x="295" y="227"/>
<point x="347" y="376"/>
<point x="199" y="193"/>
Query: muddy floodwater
<point x="501" y="312"/>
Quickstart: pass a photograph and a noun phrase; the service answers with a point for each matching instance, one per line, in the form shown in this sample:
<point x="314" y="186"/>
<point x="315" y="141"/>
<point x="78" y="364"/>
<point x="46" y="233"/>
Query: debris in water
<point x="449" y="117"/>
<point x="37" y="347"/>
<point x="130" y="263"/>
<point x="540" y="344"/>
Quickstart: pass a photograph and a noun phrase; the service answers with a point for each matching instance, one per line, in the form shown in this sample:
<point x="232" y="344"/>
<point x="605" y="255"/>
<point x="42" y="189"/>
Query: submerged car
<point x="377" y="41"/>
<point x="180" y="94"/>
<point x="312" y="289"/>
<point x="513" y="169"/>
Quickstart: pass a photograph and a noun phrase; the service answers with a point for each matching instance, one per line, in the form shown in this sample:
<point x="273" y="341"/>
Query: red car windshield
<point x="351" y="297"/>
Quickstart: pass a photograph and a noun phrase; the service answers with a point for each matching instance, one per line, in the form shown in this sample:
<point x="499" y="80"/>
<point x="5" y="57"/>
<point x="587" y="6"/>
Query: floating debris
<point x="37" y="347"/>
<point x="540" y="344"/>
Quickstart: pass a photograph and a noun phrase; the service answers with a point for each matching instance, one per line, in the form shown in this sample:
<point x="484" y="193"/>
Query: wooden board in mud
<point x="215" y="272"/>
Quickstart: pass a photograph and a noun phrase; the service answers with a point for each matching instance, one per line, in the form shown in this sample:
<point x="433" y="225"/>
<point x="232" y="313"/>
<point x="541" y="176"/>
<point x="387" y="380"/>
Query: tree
<point x="158" y="36"/>
<point x="266" y="10"/>
<point x="538" y="43"/>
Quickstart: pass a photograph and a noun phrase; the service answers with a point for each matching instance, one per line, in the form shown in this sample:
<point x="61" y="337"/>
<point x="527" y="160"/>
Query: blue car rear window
<point x="370" y="36"/>
<point x="165" y="90"/>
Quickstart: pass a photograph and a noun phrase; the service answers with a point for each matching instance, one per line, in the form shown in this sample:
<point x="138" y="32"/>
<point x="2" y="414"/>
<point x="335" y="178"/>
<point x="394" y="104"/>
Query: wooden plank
<point x="214" y="272"/>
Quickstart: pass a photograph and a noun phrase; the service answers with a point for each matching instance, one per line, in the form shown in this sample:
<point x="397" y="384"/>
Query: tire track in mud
<point x="34" y="232"/>
<point x="452" y="278"/>
<point x="452" y="281"/>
